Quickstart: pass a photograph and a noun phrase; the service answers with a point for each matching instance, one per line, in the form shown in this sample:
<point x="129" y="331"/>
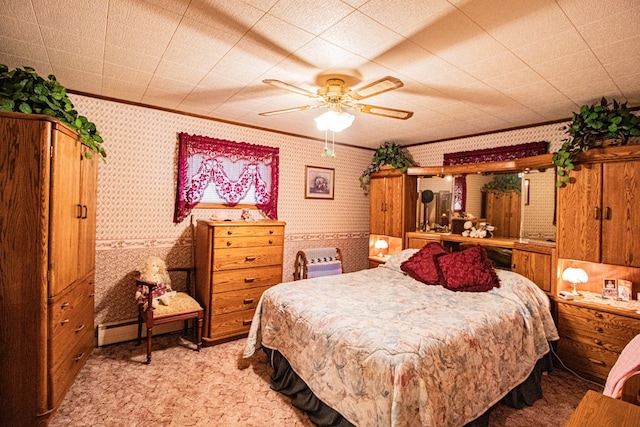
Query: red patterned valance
<point x="233" y="168"/>
<point x="497" y="154"/>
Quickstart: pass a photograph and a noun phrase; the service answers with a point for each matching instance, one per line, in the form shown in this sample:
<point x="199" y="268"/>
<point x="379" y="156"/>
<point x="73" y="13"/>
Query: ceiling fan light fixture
<point x="334" y="121"/>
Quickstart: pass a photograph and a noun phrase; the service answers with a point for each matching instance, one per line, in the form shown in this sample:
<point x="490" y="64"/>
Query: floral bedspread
<point x="386" y="350"/>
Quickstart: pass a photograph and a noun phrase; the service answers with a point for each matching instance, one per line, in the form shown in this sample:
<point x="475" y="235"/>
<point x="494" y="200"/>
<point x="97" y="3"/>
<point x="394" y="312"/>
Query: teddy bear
<point x="154" y="270"/>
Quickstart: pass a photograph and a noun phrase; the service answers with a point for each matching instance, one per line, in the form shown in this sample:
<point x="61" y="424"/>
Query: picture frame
<point x="319" y="183"/>
<point x="609" y="288"/>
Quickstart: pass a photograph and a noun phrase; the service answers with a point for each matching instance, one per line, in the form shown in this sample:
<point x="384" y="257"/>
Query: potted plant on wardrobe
<point x="594" y="125"/>
<point x="24" y="91"/>
<point x="390" y="154"/>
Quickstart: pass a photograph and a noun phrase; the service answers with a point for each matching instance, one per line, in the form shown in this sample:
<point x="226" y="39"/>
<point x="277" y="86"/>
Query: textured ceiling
<point x="468" y="66"/>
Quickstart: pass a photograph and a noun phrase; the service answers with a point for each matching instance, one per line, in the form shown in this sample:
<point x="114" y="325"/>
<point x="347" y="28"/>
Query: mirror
<point x="539" y="205"/>
<point x="433" y="209"/>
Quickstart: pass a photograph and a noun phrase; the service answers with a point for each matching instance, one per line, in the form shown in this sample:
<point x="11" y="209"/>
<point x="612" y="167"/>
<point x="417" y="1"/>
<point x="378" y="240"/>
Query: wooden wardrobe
<point x="47" y="262"/>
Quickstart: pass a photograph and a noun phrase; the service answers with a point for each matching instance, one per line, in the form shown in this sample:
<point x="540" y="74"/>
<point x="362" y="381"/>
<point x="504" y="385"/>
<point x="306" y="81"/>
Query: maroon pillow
<point x="422" y="265"/>
<point x="469" y="270"/>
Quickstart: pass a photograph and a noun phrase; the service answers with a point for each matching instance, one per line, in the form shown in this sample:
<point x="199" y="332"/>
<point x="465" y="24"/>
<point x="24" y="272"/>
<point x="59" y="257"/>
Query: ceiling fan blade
<point x="382" y="111"/>
<point x="290" y="110"/>
<point x="291" y="88"/>
<point x="379" y="86"/>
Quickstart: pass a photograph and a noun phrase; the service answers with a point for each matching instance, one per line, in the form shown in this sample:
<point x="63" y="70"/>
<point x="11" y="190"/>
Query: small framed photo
<point x="609" y="289"/>
<point x="624" y="289"/>
<point x="319" y="183"/>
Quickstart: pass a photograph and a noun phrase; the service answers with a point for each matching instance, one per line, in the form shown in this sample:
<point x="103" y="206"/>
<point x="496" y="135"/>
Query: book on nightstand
<point x="624" y="289"/>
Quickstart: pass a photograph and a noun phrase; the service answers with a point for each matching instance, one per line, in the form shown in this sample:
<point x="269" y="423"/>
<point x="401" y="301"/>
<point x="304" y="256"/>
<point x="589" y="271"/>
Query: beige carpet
<point x="182" y="387"/>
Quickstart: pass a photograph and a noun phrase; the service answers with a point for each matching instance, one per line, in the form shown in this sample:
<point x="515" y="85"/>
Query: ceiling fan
<point x="336" y="94"/>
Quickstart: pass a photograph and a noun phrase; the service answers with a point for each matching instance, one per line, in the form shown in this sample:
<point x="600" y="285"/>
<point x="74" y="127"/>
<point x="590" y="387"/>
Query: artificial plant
<point x="23" y="90"/>
<point x="504" y="183"/>
<point x="589" y="127"/>
<point x="389" y="153"/>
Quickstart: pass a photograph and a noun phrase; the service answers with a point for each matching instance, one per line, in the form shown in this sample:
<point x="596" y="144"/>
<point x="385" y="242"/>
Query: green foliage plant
<point x="23" y="90"/>
<point x="589" y="127"/>
<point x="389" y="153"/>
<point x="504" y="183"/>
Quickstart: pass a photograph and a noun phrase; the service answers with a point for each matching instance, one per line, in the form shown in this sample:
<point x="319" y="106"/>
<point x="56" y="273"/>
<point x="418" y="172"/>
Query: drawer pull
<point x="79" y="328"/>
<point x="229" y="232"/>
<point x="599" y="329"/>
<point x="246" y="322"/>
<point x="598" y="315"/>
<point x="597" y="362"/>
<point x="228" y="242"/>
<point x="248" y="301"/>
<point x="270" y="242"/>
<point x="249" y="279"/>
<point x="79" y="357"/>
<point x="598" y="342"/>
<point x="64" y="305"/>
<point x="250" y="258"/>
<point x="64" y="321"/>
<point x="271" y="231"/>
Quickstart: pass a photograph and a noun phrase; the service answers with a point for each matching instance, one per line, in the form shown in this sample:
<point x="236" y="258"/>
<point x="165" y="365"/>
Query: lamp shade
<point x="575" y="275"/>
<point x="381" y="244"/>
<point x="334" y="121"/>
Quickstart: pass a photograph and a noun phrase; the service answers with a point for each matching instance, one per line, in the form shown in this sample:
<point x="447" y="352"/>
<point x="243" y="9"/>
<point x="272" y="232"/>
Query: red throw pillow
<point x="422" y="265"/>
<point x="469" y="270"/>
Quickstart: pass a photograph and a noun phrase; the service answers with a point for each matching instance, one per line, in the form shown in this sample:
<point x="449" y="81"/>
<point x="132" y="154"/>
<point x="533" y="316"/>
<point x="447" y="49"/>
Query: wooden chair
<point x="183" y="307"/>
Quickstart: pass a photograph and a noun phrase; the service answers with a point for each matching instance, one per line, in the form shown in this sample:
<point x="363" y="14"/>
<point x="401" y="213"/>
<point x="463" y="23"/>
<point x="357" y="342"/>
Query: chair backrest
<point x="631" y="389"/>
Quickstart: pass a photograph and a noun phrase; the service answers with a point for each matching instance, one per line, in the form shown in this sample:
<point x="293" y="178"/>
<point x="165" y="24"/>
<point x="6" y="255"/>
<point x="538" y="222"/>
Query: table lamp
<point x="575" y="275"/>
<point x="381" y="245"/>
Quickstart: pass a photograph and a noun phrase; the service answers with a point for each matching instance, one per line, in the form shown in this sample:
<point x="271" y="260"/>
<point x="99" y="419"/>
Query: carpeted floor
<point x="182" y="387"/>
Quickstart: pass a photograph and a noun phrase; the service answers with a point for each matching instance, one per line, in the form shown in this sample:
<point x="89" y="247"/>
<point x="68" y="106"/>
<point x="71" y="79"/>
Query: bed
<point x="384" y="349"/>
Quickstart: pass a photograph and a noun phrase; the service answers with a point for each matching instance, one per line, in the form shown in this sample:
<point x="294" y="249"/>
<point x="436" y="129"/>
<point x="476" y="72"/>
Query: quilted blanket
<point x="386" y="350"/>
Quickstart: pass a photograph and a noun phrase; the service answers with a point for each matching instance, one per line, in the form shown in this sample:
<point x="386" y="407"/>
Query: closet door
<point x="377" y="200"/>
<point x="394" y="207"/>
<point x="65" y="211"/>
<point x="620" y="216"/>
<point x="88" y="198"/>
<point x="579" y="212"/>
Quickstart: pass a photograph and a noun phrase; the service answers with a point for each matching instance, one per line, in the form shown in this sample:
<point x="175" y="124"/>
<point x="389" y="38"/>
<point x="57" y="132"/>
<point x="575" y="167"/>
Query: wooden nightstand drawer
<point x="229" y="259"/>
<point x="246" y="278"/>
<point x="248" y="231"/>
<point x="595" y="327"/>
<point x="585" y="358"/>
<point x="228" y="302"/>
<point x="231" y="324"/>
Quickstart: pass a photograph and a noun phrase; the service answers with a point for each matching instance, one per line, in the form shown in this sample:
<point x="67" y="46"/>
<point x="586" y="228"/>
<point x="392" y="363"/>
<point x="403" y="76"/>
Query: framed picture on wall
<point x="319" y="183"/>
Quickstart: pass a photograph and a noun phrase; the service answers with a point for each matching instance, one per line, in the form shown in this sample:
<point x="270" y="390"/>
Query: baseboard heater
<point x="127" y="330"/>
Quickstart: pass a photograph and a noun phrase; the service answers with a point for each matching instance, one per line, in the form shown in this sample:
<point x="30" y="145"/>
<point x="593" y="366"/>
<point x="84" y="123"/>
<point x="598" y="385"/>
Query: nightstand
<point x="375" y="261"/>
<point x="593" y="333"/>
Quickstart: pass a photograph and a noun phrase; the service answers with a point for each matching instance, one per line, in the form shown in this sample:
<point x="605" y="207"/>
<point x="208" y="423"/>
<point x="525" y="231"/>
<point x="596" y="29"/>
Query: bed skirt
<point x="287" y="382"/>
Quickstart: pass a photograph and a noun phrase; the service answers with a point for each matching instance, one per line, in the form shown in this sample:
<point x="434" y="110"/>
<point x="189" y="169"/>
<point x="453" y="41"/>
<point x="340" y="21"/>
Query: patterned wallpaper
<point x="136" y="188"/>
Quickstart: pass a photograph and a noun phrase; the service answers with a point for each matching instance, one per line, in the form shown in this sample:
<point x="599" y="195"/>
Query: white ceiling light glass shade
<point x="334" y="121"/>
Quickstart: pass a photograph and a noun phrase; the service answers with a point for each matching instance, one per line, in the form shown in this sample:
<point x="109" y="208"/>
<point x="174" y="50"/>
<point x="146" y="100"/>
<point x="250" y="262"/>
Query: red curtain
<point x="234" y="168"/>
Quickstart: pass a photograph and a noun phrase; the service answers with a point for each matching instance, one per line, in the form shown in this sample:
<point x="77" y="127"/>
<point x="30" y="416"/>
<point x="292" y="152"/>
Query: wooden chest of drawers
<point x="235" y="262"/>
<point x="592" y="338"/>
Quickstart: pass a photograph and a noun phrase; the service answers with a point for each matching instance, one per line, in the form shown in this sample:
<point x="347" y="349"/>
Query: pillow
<point x="422" y="265"/>
<point x="469" y="270"/>
<point x="398" y="258"/>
